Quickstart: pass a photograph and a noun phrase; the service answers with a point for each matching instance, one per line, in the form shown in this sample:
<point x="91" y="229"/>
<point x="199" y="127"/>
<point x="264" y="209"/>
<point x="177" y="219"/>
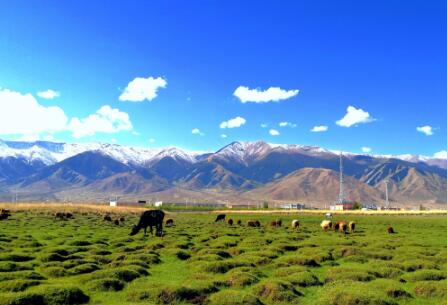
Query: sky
<point x="358" y="76"/>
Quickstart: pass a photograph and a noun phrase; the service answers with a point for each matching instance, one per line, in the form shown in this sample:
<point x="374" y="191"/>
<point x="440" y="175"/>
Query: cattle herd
<point x="154" y="218"/>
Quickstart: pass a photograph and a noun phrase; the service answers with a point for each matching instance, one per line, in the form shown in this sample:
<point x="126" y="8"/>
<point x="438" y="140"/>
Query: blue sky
<point x="383" y="58"/>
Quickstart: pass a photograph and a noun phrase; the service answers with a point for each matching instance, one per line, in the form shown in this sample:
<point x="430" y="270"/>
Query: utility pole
<point x="387" y="202"/>
<point x="341" y="195"/>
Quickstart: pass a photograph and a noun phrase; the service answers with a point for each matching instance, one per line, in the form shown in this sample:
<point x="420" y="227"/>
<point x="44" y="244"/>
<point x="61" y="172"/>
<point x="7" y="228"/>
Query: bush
<point x="352" y="293"/>
<point x="64" y="296"/>
<point x="233" y="297"/>
<point x="276" y="291"/>
<point x="431" y="289"/>
<point x="17" y="285"/>
<point x="106" y="285"/>
<point x="11" y="266"/>
<point x="241" y="277"/>
<point x="16" y="257"/>
<point x="84" y="268"/>
<point x="22" y="299"/>
<point x="340" y="274"/>
<point x="182" y="255"/>
<point x="425" y="275"/>
<point x="55" y="271"/>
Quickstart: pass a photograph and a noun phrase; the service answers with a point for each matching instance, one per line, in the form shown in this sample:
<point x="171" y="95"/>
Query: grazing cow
<point x="150" y="218"/>
<point x="107" y="218"/>
<point x="116" y="222"/>
<point x="122" y="219"/>
<point x="220" y="217"/>
<point x="230" y="222"/>
<point x="390" y="230"/>
<point x="169" y="222"/>
<point x="295" y="224"/>
<point x="253" y="223"/>
<point x="279" y="223"/>
<point x="239" y="222"/>
<point x="59" y="215"/>
<point x="351" y="226"/>
<point x="343" y="226"/>
<point x="273" y="224"/>
<point x="336" y="226"/>
<point x="69" y="215"/>
<point x="4" y="214"/>
<point x="326" y="224"/>
<point x="328" y="215"/>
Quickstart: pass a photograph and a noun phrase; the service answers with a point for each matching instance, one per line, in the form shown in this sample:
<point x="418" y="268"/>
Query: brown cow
<point x="253" y="223"/>
<point x="351" y="226"/>
<point x="230" y="222"/>
<point x="343" y="226"/>
<point x="390" y="230"/>
<point x="116" y="222"/>
<point x="336" y="226"/>
<point x="295" y="224"/>
<point x="107" y="218"/>
<point x="239" y="222"/>
<point x="122" y="219"/>
<point x="169" y="222"/>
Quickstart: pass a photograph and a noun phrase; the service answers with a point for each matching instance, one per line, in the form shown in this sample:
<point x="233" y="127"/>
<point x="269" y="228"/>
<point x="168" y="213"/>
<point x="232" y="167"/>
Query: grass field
<point x="88" y="260"/>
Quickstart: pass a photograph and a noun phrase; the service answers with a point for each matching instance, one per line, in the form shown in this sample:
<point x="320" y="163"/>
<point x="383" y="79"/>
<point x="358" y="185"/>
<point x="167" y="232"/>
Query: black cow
<point x="220" y="217"/>
<point x="151" y="218"/>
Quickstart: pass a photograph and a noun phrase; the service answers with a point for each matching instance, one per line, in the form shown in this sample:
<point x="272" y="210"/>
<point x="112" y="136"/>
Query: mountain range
<point x="241" y="173"/>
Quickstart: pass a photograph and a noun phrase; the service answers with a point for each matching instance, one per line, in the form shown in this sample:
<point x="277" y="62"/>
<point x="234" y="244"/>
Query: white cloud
<point x="263" y="125"/>
<point x="441" y="154"/>
<point x="22" y="115"/>
<point x="233" y="123"/>
<point x="287" y="124"/>
<point x="135" y="133"/>
<point x="274" y="132"/>
<point x="141" y="89"/>
<point x="320" y="128"/>
<point x="354" y="116"/>
<point x="105" y="120"/>
<point x="427" y="130"/>
<point x="197" y="131"/>
<point x="272" y="94"/>
<point x="151" y="140"/>
<point x="366" y="150"/>
<point x="48" y="94"/>
<point x="223" y="136"/>
<point x="113" y="140"/>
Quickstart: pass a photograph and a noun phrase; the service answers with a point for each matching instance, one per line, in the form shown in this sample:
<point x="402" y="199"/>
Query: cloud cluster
<point x="287" y="124"/>
<point x="354" y="116"/>
<point x="272" y="94"/>
<point x="366" y="150"/>
<point x="441" y="154"/>
<point x="106" y="120"/>
<point x="319" y="128"/>
<point x="22" y="115"/>
<point x="141" y="89"/>
<point x="274" y="132"/>
<point x="48" y="94"/>
<point x="233" y="123"/>
<point x="427" y="130"/>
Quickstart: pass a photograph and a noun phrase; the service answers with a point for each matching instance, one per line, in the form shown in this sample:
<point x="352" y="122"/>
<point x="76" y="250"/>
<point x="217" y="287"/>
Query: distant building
<point x="293" y="206"/>
<point x="342" y="206"/>
<point x="113" y="203"/>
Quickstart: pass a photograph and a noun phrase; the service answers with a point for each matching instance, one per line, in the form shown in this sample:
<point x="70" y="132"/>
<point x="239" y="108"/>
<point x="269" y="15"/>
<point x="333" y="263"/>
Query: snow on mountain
<point x="50" y="153"/>
<point x="243" y="152"/>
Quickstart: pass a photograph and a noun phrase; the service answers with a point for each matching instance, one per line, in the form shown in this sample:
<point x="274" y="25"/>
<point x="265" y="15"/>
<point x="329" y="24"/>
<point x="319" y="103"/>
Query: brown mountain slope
<point x="315" y="185"/>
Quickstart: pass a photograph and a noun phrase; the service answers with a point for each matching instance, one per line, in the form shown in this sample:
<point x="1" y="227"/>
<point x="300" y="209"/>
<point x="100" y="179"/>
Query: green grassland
<point x="86" y="260"/>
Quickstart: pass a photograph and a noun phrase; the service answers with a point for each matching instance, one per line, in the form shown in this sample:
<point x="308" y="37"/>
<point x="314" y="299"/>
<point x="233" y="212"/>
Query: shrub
<point x="106" y="285"/>
<point x="303" y="279"/>
<point x="241" y="277"/>
<point x="233" y="297"/>
<point x="11" y="266"/>
<point x="64" y="296"/>
<point x="17" y="285"/>
<point x="84" y="268"/>
<point x="425" y="275"/>
<point x="182" y="255"/>
<point x="431" y="289"/>
<point x="276" y="291"/>
<point x="22" y="299"/>
<point x="337" y="274"/>
<point x="16" y="257"/>
<point x="352" y="293"/>
<point x="55" y="271"/>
